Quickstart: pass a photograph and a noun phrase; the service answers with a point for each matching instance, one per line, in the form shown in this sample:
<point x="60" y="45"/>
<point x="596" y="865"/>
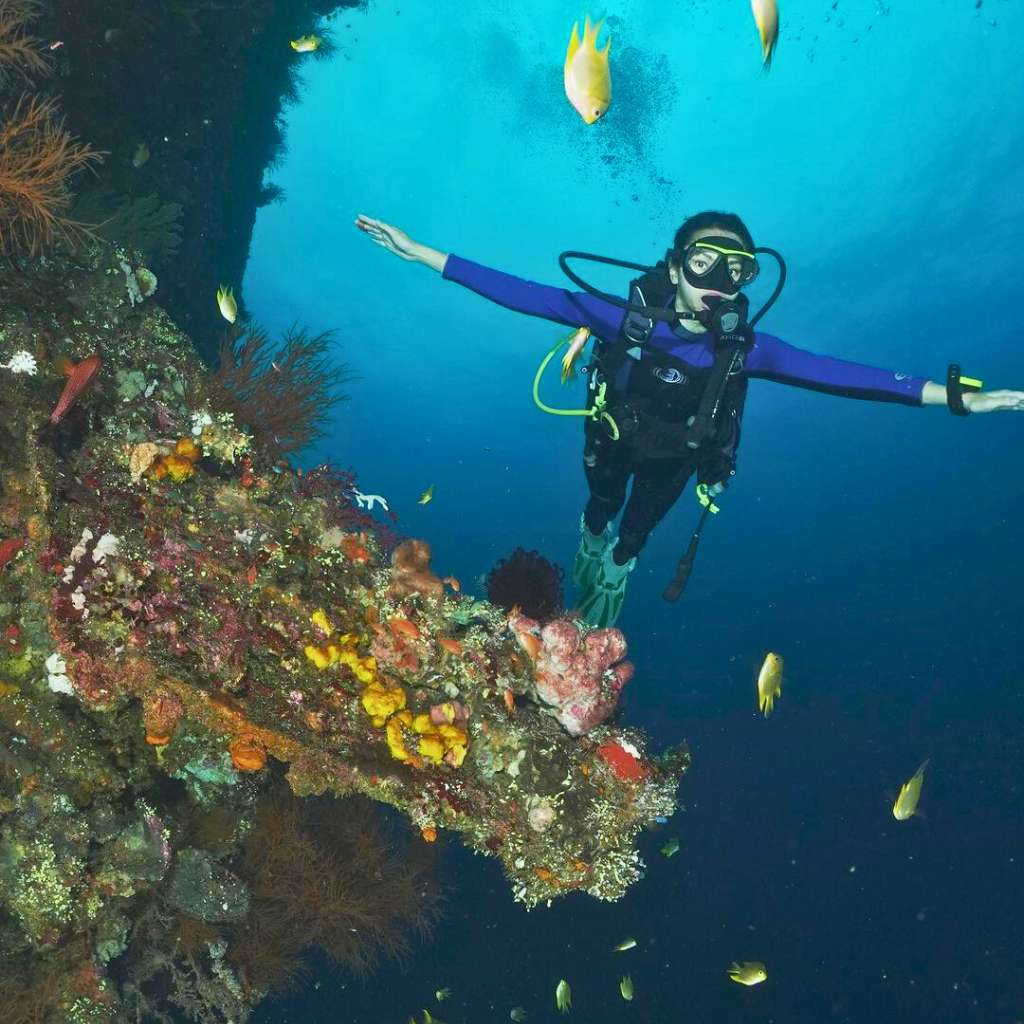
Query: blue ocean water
<point x="877" y="547"/>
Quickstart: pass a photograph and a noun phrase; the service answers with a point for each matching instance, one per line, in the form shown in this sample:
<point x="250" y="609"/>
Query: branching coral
<point x="21" y="54"/>
<point x="145" y="223"/>
<point x="30" y="999"/>
<point x="527" y="580"/>
<point x="322" y="873"/>
<point x="37" y="159"/>
<point x="283" y="392"/>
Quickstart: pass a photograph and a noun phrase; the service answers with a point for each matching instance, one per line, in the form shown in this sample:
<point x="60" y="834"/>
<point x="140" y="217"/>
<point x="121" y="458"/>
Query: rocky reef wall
<point x="191" y="625"/>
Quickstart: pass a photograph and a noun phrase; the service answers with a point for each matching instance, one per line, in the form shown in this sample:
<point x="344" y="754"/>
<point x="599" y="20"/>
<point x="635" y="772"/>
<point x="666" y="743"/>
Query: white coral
<point x="21" y="362"/>
<point x="57" y="678"/>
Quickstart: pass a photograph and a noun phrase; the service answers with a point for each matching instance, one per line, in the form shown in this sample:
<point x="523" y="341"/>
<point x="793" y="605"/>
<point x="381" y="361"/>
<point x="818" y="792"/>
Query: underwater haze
<point x="877" y="547"/>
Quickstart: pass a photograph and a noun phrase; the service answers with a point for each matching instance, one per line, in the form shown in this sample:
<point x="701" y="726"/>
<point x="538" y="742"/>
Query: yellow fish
<point x="442" y="994"/>
<point x="141" y="155"/>
<point x="769" y="682"/>
<point x="226" y="304"/>
<point x="910" y="793"/>
<point x="427" y="496"/>
<point x="750" y="972"/>
<point x="563" y="996"/>
<point x="766" y="17"/>
<point x="624" y="945"/>
<point x="306" y="44"/>
<point x="588" y="80"/>
<point x="577" y="340"/>
<point x="429" y="1018"/>
<point x="626" y="988"/>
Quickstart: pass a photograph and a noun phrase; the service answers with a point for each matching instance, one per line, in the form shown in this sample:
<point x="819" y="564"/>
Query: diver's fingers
<point x="1012" y="400"/>
<point x="1006" y="399"/>
<point x="371" y="227"/>
<point x="378" y="235"/>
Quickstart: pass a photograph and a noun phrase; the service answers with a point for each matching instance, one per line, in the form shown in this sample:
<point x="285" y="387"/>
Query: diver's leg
<point x="606" y="465"/>
<point x="657" y="483"/>
<point x="607" y="473"/>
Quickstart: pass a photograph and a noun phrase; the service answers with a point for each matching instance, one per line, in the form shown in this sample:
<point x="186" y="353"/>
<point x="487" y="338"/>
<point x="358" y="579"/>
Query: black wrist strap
<point x="956" y="387"/>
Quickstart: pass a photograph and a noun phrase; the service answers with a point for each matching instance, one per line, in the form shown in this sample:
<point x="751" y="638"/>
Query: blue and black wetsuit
<point x="663" y="391"/>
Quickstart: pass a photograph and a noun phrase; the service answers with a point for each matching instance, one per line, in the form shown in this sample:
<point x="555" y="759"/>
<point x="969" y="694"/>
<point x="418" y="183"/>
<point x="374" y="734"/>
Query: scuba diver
<point x="668" y="379"/>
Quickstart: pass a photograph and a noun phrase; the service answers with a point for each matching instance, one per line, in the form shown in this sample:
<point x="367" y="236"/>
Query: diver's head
<point x="712" y="257"/>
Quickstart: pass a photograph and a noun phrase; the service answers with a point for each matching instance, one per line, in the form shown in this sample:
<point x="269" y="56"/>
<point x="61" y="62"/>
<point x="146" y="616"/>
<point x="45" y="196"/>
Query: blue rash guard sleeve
<point x="574" y="309"/>
<point x="769" y="359"/>
<point x="773" y="359"/>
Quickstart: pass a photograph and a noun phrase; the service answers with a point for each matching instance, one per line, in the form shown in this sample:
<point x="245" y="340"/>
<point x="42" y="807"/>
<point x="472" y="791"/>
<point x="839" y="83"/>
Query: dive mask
<point x="715" y="264"/>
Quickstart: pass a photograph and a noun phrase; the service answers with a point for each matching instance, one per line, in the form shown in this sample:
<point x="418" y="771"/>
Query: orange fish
<point x="453" y="583"/>
<point x="450" y="644"/>
<point x="403" y="626"/>
<point x="531" y="644"/>
<point x="510" y="700"/>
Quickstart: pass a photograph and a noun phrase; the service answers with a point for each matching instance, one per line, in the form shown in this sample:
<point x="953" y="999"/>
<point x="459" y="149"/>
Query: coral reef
<point x="528" y="581"/>
<point x="189" y="622"/>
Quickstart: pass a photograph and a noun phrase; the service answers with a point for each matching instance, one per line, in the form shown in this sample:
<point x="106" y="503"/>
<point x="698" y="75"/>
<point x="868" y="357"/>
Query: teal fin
<point x="601" y="600"/>
<point x="588" y="555"/>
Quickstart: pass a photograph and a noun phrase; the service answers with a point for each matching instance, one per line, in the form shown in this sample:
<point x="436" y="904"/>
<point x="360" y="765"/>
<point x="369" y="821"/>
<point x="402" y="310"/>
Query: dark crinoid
<point x="528" y="580"/>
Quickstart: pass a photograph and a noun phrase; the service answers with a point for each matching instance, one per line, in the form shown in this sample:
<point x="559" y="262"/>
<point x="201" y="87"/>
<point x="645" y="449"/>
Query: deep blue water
<point x="877" y="547"/>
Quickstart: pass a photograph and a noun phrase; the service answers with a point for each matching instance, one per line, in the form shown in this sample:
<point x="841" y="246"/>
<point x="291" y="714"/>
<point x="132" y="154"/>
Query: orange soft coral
<point x="411" y="572"/>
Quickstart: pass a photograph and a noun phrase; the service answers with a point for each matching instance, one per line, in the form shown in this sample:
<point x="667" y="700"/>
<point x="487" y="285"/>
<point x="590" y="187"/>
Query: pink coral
<point x="392" y="651"/>
<point x="448" y="712"/>
<point x="579" y="674"/>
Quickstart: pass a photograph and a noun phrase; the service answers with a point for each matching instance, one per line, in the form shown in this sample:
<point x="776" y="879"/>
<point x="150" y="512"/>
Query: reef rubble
<point x="187" y="620"/>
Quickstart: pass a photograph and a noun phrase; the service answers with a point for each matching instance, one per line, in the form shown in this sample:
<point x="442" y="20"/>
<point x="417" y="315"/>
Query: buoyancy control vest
<point x="654" y="395"/>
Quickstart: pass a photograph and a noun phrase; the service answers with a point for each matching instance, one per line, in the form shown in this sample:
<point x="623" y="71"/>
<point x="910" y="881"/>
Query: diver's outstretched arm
<point x="573" y="309"/>
<point x="397" y="241"/>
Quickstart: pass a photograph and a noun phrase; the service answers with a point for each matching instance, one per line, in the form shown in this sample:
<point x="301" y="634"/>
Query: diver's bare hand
<point x="397" y="241"/>
<point x="994" y="401"/>
<point x="391" y="238"/>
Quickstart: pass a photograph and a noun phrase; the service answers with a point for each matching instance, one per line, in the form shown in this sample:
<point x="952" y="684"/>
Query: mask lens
<point x="701" y="261"/>
<point x="704" y="260"/>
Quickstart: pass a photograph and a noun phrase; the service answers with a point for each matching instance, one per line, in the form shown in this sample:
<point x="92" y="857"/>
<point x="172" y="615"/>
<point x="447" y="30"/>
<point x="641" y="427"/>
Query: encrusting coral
<point x="180" y="636"/>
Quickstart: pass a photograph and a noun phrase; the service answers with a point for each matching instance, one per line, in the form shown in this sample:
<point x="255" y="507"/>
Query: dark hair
<point x="713" y="219"/>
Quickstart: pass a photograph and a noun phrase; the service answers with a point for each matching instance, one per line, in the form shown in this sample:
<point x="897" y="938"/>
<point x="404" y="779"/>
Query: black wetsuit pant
<point x="657" y="483"/>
